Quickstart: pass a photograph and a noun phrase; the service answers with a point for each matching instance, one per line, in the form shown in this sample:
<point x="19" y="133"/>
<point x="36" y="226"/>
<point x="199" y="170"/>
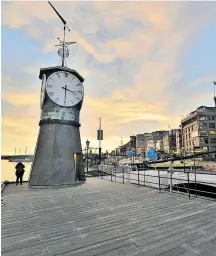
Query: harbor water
<point x="8" y="171"/>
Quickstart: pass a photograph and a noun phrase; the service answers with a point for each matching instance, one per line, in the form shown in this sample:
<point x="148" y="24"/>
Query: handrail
<point x="175" y="180"/>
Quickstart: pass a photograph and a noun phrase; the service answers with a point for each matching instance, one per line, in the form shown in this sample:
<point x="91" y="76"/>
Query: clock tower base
<point x="58" y="158"/>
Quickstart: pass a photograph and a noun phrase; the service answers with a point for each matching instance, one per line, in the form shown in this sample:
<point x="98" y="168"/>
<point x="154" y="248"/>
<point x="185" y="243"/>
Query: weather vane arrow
<point x="63" y="51"/>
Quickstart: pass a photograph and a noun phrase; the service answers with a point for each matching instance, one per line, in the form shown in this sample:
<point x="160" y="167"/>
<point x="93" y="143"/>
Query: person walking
<point x="19" y="172"/>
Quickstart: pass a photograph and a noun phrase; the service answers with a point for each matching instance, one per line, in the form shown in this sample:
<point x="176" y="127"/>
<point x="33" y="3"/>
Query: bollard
<point x="115" y="173"/>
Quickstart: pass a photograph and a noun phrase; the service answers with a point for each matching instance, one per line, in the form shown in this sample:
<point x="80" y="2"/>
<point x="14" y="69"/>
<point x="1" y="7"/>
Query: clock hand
<point x="65" y="93"/>
<point x="65" y="88"/>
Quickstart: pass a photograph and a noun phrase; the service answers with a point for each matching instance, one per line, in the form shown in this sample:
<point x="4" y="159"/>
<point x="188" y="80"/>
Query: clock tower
<point x="58" y="160"/>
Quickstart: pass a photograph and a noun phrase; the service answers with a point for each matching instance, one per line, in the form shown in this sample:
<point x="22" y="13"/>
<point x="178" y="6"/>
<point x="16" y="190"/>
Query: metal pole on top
<point x="100" y="140"/>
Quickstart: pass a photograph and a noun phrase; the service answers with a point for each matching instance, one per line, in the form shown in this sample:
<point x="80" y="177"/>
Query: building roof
<point x="200" y="110"/>
<point x="60" y="68"/>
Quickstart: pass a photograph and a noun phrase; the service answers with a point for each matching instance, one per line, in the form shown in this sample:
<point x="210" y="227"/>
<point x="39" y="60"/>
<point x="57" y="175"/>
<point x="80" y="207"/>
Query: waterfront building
<point x="178" y="140"/>
<point x="133" y="143"/>
<point x="150" y="143"/>
<point x="130" y="145"/>
<point x="141" y="142"/>
<point x="199" y="129"/>
<point x="159" y="145"/>
<point x="158" y="135"/>
<point x="166" y="143"/>
<point x="169" y="141"/>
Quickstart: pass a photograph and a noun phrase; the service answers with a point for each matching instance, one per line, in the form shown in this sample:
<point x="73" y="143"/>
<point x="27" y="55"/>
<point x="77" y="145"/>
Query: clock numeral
<point x="79" y="91"/>
<point x="77" y="98"/>
<point x="52" y="79"/>
<point x="73" y="78"/>
<point x="72" y="102"/>
<point x="49" y="85"/>
<point x="66" y="74"/>
<point x="78" y="84"/>
<point x="57" y="99"/>
<point x="51" y="93"/>
<point x="58" y="74"/>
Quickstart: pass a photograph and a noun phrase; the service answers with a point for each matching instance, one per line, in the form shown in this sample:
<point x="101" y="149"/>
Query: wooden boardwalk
<point x="108" y="219"/>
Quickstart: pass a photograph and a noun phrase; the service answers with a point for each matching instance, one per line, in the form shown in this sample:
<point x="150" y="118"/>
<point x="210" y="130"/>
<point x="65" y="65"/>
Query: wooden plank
<point x="104" y="218"/>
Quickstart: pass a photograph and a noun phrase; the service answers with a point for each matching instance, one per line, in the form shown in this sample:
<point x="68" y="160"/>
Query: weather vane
<point x="63" y="51"/>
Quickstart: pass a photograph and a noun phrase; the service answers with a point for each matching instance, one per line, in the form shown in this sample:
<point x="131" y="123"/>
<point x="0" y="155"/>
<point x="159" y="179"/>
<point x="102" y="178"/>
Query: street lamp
<point x="87" y="145"/>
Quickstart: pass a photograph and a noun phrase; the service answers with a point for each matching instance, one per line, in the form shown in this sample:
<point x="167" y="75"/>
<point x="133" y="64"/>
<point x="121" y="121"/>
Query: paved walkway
<point x="107" y="219"/>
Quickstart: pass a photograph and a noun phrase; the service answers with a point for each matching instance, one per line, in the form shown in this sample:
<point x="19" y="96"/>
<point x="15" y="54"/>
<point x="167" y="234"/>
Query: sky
<point x="145" y="65"/>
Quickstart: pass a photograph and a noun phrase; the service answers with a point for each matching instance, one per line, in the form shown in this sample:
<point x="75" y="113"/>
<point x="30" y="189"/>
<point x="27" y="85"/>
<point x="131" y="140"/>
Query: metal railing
<point x="191" y="182"/>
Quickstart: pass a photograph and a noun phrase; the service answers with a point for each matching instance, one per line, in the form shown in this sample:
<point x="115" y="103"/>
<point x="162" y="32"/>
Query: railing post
<point x="195" y="182"/>
<point x="188" y="178"/>
<point x="144" y="177"/>
<point x="171" y="190"/>
<point x="123" y="175"/>
<point x="115" y="173"/>
<point x="99" y="171"/>
<point x="111" y="172"/>
<point x="102" y="174"/>
<point x="138" y="176"/>
<point x="159" y="184"/>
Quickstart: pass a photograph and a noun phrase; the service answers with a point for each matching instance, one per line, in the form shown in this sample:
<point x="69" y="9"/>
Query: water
<point x="8" y="171"/>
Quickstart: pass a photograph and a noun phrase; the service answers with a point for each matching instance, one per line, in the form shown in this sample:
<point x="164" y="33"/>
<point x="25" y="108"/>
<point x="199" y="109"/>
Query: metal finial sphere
<point x="63" y="52"/>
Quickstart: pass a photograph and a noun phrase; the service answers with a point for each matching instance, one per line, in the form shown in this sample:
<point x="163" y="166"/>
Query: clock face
<point x="64" y="89"/>
<point x="43" y="87"/>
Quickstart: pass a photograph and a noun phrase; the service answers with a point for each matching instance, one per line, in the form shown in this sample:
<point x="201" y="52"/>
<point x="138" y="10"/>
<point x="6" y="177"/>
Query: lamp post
<point x="183" y="144"/>
<point x="87" y="145"/>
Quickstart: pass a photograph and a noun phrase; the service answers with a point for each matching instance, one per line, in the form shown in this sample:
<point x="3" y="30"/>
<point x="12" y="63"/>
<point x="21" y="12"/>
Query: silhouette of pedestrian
<point x="19" y="172"/>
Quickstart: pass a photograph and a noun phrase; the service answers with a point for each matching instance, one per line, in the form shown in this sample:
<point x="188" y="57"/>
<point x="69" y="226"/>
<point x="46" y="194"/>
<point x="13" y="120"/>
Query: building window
<point x="211" y="117"/>
<point x="203" y="133"/>
<point x="192" y="128"/>
<point x="203" y="125"/>
<point x="202" y="109"/>
<point x="202" y="118"/>
<point x="189" y="136"/>
<point x="212" y="125"/>
<point x="213" y="141"/>
<point x="206" y="141"/>
<point x="213" y="133"/>
<point x="190" y="143"/>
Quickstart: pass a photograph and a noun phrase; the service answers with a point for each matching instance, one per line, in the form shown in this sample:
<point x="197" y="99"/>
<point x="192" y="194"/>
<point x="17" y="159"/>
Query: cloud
<point x="130" y="54"/>
<point x="21" y="98"/>
<point x="19" y="131"/>
<point x="18" y="14"/>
